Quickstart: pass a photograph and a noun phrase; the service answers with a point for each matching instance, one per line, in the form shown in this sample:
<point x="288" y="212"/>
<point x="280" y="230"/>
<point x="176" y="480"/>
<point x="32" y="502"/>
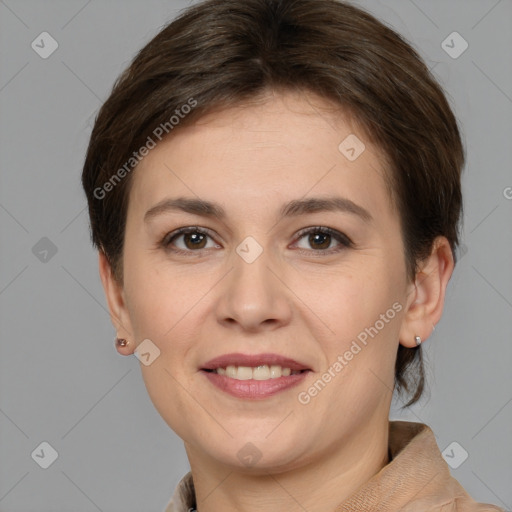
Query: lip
<point x="251" y="388"/>
<point x="237" y="359"/>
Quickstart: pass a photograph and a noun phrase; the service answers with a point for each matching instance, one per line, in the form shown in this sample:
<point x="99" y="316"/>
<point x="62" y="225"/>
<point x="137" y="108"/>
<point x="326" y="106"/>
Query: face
<point x="299" y="256"/>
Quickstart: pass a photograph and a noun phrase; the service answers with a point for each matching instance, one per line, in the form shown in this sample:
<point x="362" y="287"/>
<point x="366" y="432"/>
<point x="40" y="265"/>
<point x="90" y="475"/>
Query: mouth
<point x="254" y="366"/>
<point x="261" y="372"/>
<point x="254" y="376"/>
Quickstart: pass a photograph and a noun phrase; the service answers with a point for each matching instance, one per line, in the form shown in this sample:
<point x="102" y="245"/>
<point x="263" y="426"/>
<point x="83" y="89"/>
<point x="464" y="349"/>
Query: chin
<point x="257" y="454"/>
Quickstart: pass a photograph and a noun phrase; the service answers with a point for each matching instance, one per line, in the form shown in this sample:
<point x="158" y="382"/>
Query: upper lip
<point x="237" y="359"/>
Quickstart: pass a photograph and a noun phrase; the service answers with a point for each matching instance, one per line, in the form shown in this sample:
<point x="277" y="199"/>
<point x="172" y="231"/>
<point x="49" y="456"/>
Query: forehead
<point x="283" y="144"/>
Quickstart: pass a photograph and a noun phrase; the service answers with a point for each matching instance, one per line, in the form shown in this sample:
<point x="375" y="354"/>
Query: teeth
<point x="263" y="372"/>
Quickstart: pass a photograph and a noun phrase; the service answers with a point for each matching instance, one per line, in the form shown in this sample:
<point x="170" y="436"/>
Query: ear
<point x="116" y="305"/>
<point x="426" y="294"/>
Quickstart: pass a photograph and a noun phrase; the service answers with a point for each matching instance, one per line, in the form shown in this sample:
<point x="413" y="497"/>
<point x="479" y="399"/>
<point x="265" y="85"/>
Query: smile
<point x="262" y="372"/>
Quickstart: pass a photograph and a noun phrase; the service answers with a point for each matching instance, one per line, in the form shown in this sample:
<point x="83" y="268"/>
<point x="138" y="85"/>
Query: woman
<point x="274" y="191"/>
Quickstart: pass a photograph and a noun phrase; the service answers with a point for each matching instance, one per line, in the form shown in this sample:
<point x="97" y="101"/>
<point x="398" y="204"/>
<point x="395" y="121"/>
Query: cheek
<point x="365" y="316"/>
<point x="165" y="303"/>
<point x="350" y="298"/>
<point x="363" y="312"/>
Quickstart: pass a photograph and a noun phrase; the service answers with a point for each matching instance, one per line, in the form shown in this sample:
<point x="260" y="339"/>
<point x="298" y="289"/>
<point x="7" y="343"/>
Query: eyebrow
<point x="292" y="209"/>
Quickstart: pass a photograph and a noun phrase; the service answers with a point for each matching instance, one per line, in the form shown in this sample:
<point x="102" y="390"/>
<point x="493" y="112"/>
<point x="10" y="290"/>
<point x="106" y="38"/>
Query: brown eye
<point x="187" y="240"/>
<point x="194" y="240"/>
<point x="320" y="240"/>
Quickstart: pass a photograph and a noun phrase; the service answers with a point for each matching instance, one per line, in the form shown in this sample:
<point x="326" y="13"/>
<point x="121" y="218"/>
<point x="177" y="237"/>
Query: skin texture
<point x="293" y="300"/>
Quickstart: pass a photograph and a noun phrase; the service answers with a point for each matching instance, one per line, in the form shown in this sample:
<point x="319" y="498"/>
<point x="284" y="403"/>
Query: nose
<point x="254" y="296"/>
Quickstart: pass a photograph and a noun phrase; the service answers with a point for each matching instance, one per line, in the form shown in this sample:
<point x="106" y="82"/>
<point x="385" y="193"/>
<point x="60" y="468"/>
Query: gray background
<point x="61" y="379"/>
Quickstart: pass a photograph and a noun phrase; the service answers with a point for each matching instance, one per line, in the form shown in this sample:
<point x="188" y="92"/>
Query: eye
<point x="321" y="239"/>
<point x="193" y="239"/>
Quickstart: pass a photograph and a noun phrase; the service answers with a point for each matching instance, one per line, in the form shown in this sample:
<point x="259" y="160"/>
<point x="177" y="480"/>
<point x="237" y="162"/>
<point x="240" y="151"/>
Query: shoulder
<point x="415" y="453"/>
<point x="467" y="504"/>
<point x="461" y="503"/>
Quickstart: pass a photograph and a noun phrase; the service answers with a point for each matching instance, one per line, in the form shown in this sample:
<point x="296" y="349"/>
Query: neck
<point x="319" y="484"/>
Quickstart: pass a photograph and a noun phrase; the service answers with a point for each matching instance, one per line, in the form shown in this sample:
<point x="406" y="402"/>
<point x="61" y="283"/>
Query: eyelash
<point x="343" y="239"/>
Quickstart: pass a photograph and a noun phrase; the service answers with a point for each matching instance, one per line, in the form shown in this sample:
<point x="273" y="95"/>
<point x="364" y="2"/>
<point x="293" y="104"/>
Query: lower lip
<point x="251" y="388"/>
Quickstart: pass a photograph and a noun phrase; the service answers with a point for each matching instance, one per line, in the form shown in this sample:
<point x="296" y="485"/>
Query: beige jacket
<point x="417" y="479"/>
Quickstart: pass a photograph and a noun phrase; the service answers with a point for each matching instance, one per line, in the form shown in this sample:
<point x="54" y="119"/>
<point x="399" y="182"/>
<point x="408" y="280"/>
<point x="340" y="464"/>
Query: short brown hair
<point x="220" y="53"/>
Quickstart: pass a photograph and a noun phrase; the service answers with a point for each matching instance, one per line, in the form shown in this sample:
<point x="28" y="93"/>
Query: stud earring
<point x="417" y="339"/>
<point x="121" y="342"/>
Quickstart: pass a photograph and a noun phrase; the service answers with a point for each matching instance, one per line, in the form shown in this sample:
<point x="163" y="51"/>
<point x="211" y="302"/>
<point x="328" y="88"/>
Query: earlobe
<point x="116" y="305"/>
<point x="427" y="295"/>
